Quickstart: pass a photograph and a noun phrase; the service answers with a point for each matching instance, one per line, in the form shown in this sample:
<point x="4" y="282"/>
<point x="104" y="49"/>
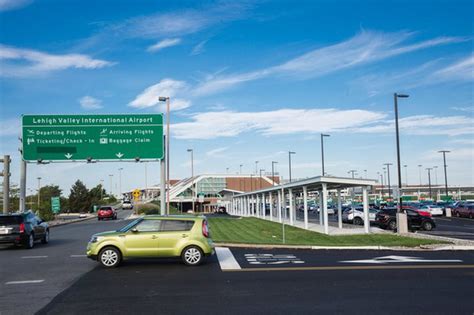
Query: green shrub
<point x="147" y="208"/>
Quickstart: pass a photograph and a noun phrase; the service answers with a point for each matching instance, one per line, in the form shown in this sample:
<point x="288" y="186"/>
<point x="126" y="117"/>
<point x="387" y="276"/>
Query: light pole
<point x="406" y="174"/>
<point x="101" y="189"/>
<point x="192" y="176"/>
<point x="396" y="96"/>
<point x="227" y="170"/>
<point x="120" y="182"/>
<point x="419" y="171"/>
<point x="256" y="167"/>
<point x="436" y="174"/>
<point x="322" y="152"/>
<point x="429" y="179"/>
<point x="388" y="178"/>
<point x="39" y="191"/>
<point x="353" y="172"/>
<point x="273" y="172"/>
<point x="167" y="100"/>
<point x="445" y="172"/>
<point x="110" y="179"/>
<point x="365" y="173"/>
<point x="289" y="163"/>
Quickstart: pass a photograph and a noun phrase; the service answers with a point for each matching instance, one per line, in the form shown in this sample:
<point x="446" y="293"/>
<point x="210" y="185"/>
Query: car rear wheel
<point x="110" y="257"/>
<point x="358" y="221"/>
<point x="392" y="225"/>
<point x="45" y="239"/>
<point x="192" y="256"/>
<point x="30" y="241"/>
<point x="458" y="214"/>
<point x="427" y="226"/>
<point x="471" y="216"/>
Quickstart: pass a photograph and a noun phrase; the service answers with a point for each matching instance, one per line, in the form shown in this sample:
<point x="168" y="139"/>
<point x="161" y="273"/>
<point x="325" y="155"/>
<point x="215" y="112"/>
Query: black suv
<point x="387" y="218"/>
<point x="23" y="229"/>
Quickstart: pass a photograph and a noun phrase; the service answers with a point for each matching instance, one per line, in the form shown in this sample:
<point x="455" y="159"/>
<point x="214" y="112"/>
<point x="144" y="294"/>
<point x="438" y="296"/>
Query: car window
<point x="176" y="225"/>
<point x="105" y="208"/>
<point x="412" y="213"/>
<point x="10" y="220"/>
<point x="148" y="226"/>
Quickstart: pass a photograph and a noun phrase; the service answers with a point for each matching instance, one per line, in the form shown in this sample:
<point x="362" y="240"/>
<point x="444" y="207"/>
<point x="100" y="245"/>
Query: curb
<point x="71" y="221"/>
<point x="419" y="248"/>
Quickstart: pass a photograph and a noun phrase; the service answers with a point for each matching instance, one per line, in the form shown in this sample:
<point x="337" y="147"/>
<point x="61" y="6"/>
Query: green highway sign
<point x="92" y="137"/>
<point x="55" y="205"/>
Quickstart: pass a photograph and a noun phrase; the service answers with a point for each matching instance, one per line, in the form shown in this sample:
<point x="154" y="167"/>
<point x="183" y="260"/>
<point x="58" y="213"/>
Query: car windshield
<point x="129" y="226"/>
<point x="105" y="208"/>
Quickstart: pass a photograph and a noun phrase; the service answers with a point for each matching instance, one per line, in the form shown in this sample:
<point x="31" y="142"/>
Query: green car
<point x="154" y="236"/>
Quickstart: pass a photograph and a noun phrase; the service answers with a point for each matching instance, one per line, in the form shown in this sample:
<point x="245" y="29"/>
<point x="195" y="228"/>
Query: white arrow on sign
<point x="68" y="156"/>
<point x="119" y="155"/>
<point x="398" y="259"/>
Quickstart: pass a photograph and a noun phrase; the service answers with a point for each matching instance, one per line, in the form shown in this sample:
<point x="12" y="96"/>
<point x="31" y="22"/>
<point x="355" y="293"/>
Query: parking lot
<point x="57" y="279"/>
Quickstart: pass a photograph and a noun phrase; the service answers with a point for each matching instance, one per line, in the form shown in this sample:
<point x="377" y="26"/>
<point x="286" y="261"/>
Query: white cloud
<point x="216" y="152"/>
<point x="6" y="5"/>
<point x="37" y="62"/>
<point x="166" y="87"/>
<point x="364" y="48"/>
<point x="469" y="109"/>
<point x="199" y="48"/>
<point x="278" y="122"/>
<point x="168" y="42"/>
<point x="90" y="103"/>
<point x="460" y="70"/>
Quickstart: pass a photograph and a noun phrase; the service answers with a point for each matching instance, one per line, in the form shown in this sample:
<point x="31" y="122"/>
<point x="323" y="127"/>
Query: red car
<point x="464" y="210"/>
<point x="107" y="213"/>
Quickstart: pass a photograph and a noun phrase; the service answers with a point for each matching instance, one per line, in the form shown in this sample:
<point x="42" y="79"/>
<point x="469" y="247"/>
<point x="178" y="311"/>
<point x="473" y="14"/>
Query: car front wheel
<point x="192" y="256"/>
<point x="427" y="226"/>
<point x="110" y="257"/>
<point x="392" y="225"/>
<point x="358" y="221"/>
<point x="45" y="239"/>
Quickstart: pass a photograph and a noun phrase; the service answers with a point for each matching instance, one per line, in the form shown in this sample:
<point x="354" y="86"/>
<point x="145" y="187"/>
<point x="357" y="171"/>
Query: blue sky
<point x="249" y="81"/>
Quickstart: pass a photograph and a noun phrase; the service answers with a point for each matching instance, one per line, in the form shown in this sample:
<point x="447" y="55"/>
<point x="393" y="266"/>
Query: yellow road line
<point x="352" y="268"/>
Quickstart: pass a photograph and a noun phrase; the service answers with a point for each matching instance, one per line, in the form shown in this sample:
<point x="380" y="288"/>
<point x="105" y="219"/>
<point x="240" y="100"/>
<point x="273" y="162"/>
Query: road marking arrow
<point x="68" y="156"/>
<point x="398" y="259"/>
<point x="119" y="155"/>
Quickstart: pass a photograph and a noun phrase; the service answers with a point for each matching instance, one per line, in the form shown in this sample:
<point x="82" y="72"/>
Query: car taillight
<point x="424" y="213"/>
<point x="205" y="229"/>
<point x="22" y="227"/>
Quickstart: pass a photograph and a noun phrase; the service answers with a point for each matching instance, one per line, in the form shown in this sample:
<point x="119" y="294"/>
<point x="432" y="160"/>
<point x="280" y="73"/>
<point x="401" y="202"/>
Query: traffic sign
<point x="55" y="205"/>
<point x="92" y="137"/>
<point x="136" y="194"/>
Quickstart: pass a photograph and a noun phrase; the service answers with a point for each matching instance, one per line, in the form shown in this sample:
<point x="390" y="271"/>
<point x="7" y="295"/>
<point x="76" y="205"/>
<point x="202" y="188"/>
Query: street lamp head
<point x="190" y="150"/>
<point x="444" y="151"/>
<point x="402" y="95"/>
<point x="291" y="152"/>
<point x="325" y="135"/>
<point x="162" y="98"/>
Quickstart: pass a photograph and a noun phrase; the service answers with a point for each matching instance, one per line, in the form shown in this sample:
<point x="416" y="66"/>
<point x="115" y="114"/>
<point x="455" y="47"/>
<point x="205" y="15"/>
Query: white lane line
<point x="33" y="257"/>
<point x="23" y="282"/>
<point x="226" y="259"/>
<point x="76" y="256"/>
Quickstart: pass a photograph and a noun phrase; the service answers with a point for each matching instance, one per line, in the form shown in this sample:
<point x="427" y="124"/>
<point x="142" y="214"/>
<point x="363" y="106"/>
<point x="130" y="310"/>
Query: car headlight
<point x="94" y="239"/>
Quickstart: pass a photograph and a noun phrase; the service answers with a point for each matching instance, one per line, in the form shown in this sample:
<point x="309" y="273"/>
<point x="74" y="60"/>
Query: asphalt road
<point x="280" y="282"/>
<point x="57" y="265"/>
<point x="462" y="228"/>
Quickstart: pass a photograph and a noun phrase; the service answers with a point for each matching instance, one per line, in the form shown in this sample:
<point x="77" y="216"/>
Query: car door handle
<point x="185" y="235"/>
<point x="154" y="237"/>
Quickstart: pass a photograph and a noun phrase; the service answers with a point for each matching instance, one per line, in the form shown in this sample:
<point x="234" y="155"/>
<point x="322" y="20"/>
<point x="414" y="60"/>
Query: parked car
<point x="356" y="215"/>
<point x="127" y="204"/>
<point x="386" y="218"/>
<point x="464" y="210"/>
<point x="23" y="229"/>
<point x="154" y="236"/>
<point x="434" y="210"/>
<point x="107" y="212"/>
<point x="221" y="209"/>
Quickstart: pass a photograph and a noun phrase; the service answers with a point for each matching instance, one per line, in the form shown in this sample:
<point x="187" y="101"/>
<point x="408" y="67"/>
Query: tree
<point x="79" y="198"/>
<point x="46" y="192"/>
<point x="97" y="194"/>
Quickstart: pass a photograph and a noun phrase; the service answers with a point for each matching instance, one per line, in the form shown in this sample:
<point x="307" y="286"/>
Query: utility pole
<point x="429" y="179"/>
<point x="388" y="179"/>
<point x="6" y="182"/>
<point x="445" y="172"/>
<point x="193" y="190"/>
<point x="289" y="163"/>
<point x="256" y="167"/>
<point x="273" y="172"/>
<point x="39" y="192"/>
<point x="167" y="151"/>
<point x="322" y="152"/>
<point x="120" y="182"/>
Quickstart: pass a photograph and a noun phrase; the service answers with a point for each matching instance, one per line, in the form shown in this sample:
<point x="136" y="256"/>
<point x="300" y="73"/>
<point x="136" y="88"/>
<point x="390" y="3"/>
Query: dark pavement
<point x="168" y="287"/>
<point x="462" y="228"/>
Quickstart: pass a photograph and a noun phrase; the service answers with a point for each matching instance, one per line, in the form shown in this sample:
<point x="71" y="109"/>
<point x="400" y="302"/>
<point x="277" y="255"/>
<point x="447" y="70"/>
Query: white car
<point x="356" y="216"/>
<point x="434" y="210"/>
<point x="127" y="204"/>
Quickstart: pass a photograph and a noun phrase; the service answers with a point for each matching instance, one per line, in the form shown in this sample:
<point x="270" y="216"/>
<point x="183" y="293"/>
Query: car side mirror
<point x="134" y="230"/>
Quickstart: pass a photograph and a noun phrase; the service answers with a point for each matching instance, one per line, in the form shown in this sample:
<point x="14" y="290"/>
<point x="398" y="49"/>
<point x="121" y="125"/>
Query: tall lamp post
<point x="289" y="163"/>
<point x="240" y="168"/>
<point x="445" y="172"/>
<point x="167" y="153"/>
<point x="388" y="179"/>
<point x="273" y="172"/>
<point x="429" y="169"/>
<point x="256" y="167"/>
<point x="110" y="181"/>
<point x="192" y="176"/>
<point x="406" y="175"/>
<point x="322" y="152"/>
<point x="396" y="96"/>
<point x="120" y="182"/>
